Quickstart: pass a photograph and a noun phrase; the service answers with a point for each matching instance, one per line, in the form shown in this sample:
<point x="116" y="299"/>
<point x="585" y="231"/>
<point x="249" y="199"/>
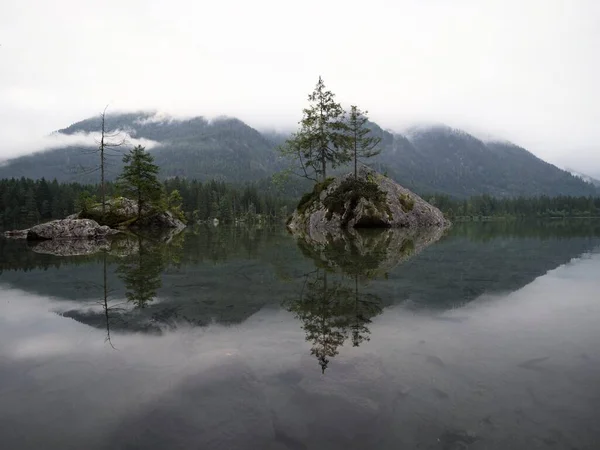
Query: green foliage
<point x="25" y="202"/>
<point x="434" y="160"/>
<point x="310" y="197"/>
<point x="174" y="204"/>
<point x="228" y="203"/>
<point x="360" y="144"/>
<point x="322" y="138"/>
<point x="349" y="192"/>
<point x="139" y="179"/>
<point x="407" y="202"/>
<point x="85" y="201"/>
<point x="485" y="206"/>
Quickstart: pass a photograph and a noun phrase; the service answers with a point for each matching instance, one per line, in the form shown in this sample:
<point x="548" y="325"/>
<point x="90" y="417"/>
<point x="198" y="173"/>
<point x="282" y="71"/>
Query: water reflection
<point x="334" y="304"/>
<point x="141" y="272"/>
<point x="76" y="247"/>
<point x="105" y="306"/>
<point x="226" y="275"/>
<point x="331" y="312"/>
<point x="368" y="253"/>
<point x="515" y="368"/>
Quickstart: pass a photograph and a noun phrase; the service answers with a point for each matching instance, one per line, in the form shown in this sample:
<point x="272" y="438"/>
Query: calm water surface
<point x="484" y="338"/>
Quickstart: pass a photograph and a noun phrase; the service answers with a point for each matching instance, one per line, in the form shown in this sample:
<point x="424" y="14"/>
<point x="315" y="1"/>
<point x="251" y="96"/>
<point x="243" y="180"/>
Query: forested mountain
<point x="222" y="149"/>
<point x="428" y="160"/>
<point x="586" y="178"/>
<point x="440" y="159"/>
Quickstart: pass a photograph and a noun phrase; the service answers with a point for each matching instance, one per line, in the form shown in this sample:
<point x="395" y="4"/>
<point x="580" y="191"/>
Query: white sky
<point x="524" y="70"/>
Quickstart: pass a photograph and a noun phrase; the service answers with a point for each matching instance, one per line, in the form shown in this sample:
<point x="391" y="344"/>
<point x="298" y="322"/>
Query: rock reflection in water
<point x="332" y="305"/>
<point x="71" y="247"/>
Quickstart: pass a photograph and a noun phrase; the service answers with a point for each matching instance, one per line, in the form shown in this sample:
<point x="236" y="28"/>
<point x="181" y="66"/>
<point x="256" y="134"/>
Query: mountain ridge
<point x="427" y="159"/>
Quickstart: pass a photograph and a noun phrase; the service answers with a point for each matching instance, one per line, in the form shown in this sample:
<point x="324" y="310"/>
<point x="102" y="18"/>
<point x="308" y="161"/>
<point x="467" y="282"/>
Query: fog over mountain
<point x="524" y="71"/>
<point x="432" y="159"/>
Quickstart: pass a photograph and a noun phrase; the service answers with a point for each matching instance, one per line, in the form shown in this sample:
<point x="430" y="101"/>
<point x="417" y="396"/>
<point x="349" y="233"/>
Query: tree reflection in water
<point x="145" y="260"/>
<point x="140" y="273"/>
<point x="140" y="263"/>
<point x="331" y="304"/>
<point x="332" y="312"/>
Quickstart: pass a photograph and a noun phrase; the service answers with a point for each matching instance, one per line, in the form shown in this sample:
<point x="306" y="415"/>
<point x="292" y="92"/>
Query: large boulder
<point x="371" y="200"/>
<point x="69" y="229"/>
<point x="160" y="220"/>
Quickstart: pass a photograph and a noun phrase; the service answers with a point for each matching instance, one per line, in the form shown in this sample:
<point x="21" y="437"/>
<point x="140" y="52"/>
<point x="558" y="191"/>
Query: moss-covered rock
<point x="371" y="200"/>
<point x="122" y="213"/>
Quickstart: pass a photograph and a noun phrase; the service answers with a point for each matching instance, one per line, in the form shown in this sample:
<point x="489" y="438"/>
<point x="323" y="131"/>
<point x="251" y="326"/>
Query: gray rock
<point x="69" y="229"/>
<point x="160" y="220"/>
<point x="397" y="207"/>
<point x="123" y="213"/>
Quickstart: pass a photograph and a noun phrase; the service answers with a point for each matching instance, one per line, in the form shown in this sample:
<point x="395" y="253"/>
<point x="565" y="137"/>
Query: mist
<point x="522" y="71"/>
<point x="25" y="144"/>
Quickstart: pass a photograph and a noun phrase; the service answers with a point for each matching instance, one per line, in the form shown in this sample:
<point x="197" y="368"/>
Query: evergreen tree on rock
<point x="139" y="179"/>
<point x="322" y="139"/>
<point x="361" y="143"/>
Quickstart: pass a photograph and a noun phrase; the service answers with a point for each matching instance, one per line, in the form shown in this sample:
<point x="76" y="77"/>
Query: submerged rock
<point x="63" y="229"/>
<point x="371" y="200"/>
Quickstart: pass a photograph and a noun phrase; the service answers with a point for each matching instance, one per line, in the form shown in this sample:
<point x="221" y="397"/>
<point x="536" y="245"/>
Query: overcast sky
<point x="524" y="70"/>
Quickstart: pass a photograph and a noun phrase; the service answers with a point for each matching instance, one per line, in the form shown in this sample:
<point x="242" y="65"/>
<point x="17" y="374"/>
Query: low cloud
<point x="158" y="117"/>
<point x="24" y="144"/>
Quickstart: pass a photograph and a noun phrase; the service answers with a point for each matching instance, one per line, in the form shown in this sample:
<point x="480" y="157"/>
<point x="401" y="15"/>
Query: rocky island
<point x="152" y="210"/>
<point x="121" y="214"/>
<point x="367" y="200"/>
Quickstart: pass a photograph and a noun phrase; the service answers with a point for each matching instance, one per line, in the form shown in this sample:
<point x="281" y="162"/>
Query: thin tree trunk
<point x="106" y="302"/>
<point x="355" y="158"/>
<point x="102" y="190"/>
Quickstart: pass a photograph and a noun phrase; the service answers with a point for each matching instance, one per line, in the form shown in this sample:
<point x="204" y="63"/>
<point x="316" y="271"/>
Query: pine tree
<point x="140" y="178"/>
<point x="360" y="143"/>
<point x="322" y="138"/>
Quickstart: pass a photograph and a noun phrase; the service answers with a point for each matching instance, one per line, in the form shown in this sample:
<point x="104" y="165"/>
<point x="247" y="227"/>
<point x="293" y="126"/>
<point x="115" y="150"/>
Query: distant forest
<point x="25" y="202"/>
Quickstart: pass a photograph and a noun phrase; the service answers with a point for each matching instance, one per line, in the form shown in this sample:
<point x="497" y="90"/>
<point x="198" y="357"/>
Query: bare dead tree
<point x="108" y="141"/>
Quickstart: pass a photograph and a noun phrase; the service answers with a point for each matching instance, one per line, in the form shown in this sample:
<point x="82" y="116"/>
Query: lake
<point x="485" y="337"/>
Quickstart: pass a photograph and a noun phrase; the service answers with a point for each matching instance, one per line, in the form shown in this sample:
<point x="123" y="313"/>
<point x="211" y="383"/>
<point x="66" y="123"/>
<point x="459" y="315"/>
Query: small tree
<point x="322" y="138"/>
<point x="174" y="204"/>
<point x="85" y="201"/>
<point x="140" y="178"/>
<point x="361" y="144"/>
